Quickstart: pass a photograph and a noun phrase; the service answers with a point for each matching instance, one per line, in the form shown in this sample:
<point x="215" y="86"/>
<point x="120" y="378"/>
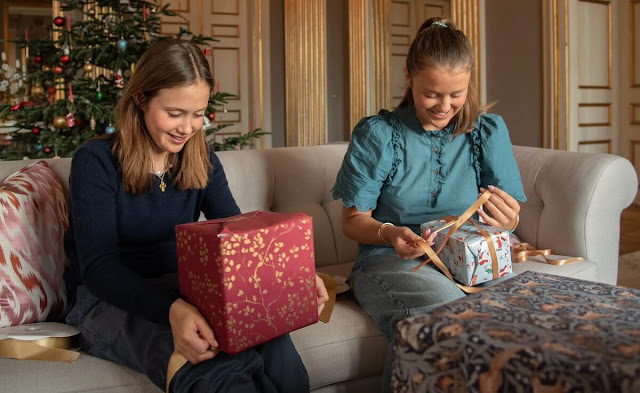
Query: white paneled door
<point x="238" y="60"/>
<point x="592" y="76"/>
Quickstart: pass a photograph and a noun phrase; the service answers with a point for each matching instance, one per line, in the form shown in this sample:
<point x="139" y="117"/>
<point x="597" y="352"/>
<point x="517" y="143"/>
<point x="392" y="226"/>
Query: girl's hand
<point x="193" y="338"/>
<point x="405" y="241"/>
<point x="503" y="209"/>
<point x="321" y="292"/>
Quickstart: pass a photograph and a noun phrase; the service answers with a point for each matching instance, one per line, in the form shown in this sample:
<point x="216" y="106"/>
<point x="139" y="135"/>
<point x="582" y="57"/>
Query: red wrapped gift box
<point x="252" y="276"/>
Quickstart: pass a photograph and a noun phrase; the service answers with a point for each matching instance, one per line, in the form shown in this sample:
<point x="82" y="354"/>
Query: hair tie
<point x="439" y="23"/>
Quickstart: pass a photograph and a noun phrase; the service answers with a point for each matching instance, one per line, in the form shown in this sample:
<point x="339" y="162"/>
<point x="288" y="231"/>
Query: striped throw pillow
<point x="33" y="219"/>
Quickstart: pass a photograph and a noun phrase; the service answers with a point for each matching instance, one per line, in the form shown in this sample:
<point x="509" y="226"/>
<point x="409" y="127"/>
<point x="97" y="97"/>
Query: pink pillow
<point x="33" y="218"/>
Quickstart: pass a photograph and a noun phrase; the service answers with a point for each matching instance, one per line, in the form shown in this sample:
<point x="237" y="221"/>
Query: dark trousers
<point x="110" y="333"/>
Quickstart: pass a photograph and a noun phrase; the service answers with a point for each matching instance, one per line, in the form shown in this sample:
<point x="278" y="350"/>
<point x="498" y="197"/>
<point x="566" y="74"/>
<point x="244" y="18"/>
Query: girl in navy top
<point x="428" y="158"/>
<point x="128" y="192"/>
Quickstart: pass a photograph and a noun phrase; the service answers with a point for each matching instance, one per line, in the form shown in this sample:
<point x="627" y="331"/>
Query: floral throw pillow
<point x="33" y="218"/>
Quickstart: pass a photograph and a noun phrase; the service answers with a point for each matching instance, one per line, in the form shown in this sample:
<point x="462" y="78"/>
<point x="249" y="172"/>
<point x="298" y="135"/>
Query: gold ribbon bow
<point x="522" y="252"/>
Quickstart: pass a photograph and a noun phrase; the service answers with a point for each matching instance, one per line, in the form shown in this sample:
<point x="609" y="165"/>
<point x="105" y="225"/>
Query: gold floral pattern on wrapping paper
<point x="265" y="281"/>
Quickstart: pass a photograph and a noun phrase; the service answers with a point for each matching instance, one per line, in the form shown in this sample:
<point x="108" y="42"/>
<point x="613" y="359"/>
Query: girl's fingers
<point x="506" y="198"/>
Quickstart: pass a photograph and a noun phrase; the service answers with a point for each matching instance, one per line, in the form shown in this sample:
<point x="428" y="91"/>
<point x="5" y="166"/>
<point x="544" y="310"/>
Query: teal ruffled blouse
<point x="408" y="176"/>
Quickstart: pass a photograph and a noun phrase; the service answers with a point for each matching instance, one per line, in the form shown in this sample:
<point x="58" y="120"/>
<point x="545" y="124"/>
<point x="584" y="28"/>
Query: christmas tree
<point x="69" y="85"/>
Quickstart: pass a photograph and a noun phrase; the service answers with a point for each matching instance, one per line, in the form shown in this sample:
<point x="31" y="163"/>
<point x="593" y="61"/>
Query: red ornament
<point x="38" y="59"/>
<point x="58" y="21"/>
<point x="65" y="59"/>
<point x="47" y="150"/>
<point x="207" y="52"/>
<point x="212" y="116"/>
<point x="57" y="70"/>
<point x="35" y="131"/>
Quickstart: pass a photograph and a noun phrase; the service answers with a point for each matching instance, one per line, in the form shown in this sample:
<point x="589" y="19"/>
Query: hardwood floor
<point x="630" y="229"/>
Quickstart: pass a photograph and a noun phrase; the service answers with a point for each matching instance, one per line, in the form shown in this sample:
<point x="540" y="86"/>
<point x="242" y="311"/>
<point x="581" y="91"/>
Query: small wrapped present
<point x="474" y="253"/>
<point x="252" y="276"/>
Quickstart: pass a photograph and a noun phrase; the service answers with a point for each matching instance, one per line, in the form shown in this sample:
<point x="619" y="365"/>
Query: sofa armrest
<point x="574" y="204"/>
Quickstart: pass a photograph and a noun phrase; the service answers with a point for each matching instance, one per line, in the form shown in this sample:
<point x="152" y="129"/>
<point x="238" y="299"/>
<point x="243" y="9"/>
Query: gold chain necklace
<point x="163" y="185"/>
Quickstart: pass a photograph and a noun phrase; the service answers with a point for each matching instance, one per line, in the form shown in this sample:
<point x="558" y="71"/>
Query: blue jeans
<point x="389" y="291"/>
<point x="110" y="333"/>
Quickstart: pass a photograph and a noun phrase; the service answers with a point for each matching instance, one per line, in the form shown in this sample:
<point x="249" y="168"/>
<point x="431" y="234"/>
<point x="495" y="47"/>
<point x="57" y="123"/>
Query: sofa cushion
<point x="33" y="221"/>
<point x="86" y="374"/>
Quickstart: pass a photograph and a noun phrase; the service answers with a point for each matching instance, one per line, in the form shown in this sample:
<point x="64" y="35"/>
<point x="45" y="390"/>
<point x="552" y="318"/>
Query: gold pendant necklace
<point x="163" y="185"/>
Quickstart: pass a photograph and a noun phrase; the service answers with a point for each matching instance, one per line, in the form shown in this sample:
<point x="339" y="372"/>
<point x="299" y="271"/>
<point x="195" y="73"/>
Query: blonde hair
<point x="439" y="43"/>
<point x="166" y="64"/>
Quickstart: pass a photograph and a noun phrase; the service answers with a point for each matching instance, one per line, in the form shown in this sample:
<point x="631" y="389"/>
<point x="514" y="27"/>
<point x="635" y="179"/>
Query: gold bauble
<point x="37" y="90"/>
<point x="87" y="68"/>
<point x="60" y="122"/>
<point x="46" y="68"/>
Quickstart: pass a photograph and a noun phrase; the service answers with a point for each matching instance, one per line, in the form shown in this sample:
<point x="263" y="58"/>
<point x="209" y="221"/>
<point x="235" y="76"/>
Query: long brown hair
<point x="439" y="43"/>
<point x="166" y="64"/>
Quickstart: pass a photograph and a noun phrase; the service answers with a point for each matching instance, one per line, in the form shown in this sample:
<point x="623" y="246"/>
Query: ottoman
<point x="532" y="333"/>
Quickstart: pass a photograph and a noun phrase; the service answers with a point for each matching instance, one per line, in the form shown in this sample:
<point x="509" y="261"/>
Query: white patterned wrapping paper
<point x="467" y="255"/>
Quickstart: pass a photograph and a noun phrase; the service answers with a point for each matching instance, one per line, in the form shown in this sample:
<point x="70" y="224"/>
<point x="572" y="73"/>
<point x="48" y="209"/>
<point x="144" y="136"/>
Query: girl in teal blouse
<point x="428" y="158"/>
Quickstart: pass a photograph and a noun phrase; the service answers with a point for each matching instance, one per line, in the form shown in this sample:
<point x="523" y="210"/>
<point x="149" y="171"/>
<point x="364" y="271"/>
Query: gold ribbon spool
<point x="54" y="349"/>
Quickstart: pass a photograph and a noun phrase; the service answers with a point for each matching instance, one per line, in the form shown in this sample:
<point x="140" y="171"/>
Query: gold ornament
<point x="46" y="68"/>
<point x="60" y="122"/>
<point x="37" y="90"/>
<point x="87" y="68"/>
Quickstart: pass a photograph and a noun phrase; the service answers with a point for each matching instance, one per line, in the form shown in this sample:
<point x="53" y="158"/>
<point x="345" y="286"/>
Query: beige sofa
<point x="575" y="201"/>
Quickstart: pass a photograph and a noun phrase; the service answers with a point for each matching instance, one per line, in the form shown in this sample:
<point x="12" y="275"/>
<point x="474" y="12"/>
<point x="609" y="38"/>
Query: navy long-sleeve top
<point x="116" y="240"/>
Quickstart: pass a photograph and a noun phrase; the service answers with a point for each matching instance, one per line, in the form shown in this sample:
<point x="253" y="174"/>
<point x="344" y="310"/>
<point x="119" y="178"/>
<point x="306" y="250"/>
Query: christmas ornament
<point x="37" y="90"/>
<point x="57" y="70"/>
<point x="58" y="21"/>
<point x="99" y="96"/>
<point x="207" y="52"/>
<point x="59" y="122"/>
<point x="119" y="80"/>
<point x="66" y="51"/>
<point x="91" y="12"/>
<point x="87" y="68"/>
<point x="212" y="116"/>
<point x="109" y="129"/>
<point x="48" y="82"/>
<point x="38" y="147"/>
<point x="46" y="68"/>
<point x="47" y="150"/>
<point x="92" y="123"/>
<point x="51" y="90"/>
<point x="38" y="59"/>
<point x="65" y="59"/>
<point x="35" y="131"/>
<point x="71" y="120"/>
<point x="122" y="44"/>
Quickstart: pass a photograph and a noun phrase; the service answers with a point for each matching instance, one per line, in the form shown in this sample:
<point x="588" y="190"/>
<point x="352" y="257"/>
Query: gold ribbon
<point x="433" y="255"/>
<point x="176" y="361"/>
<point x="53" y="349"/>
<point x="522" y="252"/>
